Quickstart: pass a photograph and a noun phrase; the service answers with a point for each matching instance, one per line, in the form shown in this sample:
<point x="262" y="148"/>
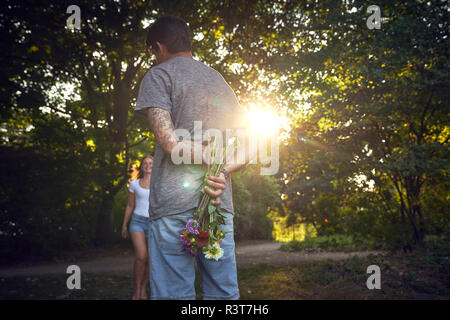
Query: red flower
<point x="202" y="238"/>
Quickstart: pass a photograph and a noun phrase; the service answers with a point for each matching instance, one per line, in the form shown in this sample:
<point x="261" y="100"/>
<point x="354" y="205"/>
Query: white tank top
<point x="141" y="196"/>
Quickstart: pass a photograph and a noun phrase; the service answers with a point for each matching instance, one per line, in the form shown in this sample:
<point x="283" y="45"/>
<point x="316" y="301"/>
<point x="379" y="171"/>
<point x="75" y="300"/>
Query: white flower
<point x="213" y="252"/>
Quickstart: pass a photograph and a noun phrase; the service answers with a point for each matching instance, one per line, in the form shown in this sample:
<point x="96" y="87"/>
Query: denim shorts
<point x="172" y="271"/>
<point x="139" y="223"/>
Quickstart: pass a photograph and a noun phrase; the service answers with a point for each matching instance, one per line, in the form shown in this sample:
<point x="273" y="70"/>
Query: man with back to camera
<point x="173" y="94"/>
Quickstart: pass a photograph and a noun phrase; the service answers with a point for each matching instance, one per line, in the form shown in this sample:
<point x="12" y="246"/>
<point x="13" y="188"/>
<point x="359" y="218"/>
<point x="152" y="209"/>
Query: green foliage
<point x="336" y="242"/>
<point x="253" y="196"/>
<point x="92" y="127"/>
<point x="378" y="107"/>
<point x="435" y="242"/>
<point x="297" y="231"/>
<point x="44" y="212"/>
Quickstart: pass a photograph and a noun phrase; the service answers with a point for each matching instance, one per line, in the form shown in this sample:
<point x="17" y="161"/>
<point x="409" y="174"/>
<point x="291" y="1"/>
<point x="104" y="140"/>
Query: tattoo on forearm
<point x="162" y="126"/>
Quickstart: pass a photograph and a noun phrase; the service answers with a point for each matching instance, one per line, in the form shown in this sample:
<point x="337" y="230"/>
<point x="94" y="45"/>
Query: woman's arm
<point x="128" y="211"/>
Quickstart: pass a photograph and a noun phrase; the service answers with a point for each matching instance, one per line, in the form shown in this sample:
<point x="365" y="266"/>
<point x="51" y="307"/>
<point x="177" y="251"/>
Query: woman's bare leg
<point x="146" y="275"/>
<point x="141" y="258"/>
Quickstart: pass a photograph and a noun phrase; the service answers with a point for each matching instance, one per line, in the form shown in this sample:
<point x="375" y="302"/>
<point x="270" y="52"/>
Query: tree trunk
<point x="103" y="233"/>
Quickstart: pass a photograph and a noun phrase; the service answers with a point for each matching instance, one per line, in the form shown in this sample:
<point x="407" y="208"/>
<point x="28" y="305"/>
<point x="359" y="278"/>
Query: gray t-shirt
<point x="190" y="91"/>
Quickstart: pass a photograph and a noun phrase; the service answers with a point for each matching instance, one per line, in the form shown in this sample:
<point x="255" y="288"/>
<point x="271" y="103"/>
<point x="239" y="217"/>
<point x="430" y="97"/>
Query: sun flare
<point x="265" y="122"/>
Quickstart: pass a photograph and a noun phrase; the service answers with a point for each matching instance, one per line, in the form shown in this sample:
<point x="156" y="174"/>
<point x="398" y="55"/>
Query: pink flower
<point x="184" y="239"/>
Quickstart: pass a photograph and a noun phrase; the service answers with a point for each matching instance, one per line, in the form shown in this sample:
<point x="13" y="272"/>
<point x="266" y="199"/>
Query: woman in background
<point x="138" y="206"/>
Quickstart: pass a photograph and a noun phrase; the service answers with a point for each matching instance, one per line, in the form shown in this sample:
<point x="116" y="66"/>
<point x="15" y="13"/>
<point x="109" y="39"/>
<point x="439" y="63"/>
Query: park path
<point x="247" y="255"/>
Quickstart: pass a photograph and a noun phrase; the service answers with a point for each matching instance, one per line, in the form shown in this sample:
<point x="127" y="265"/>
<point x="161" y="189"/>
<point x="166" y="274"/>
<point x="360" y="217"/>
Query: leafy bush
<point x="253" y="196"/>
<point x="436" y="242"/>
<point x="337" y="242"/>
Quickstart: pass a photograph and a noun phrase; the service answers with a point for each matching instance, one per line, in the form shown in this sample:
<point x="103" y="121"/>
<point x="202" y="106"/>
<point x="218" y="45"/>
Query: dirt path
<point x="268" y="253"/>
<point x="247" y="254"/>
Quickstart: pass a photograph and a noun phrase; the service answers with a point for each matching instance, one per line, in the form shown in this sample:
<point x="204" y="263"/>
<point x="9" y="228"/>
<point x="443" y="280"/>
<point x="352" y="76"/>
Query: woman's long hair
<point x="137" y="171"/>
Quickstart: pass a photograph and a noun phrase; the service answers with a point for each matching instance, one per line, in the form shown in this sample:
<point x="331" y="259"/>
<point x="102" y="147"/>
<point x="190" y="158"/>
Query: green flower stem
<point x="202" y="213"/>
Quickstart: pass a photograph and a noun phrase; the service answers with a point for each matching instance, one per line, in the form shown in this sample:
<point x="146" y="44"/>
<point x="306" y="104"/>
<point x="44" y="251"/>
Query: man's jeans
<point x="172" y="271"/>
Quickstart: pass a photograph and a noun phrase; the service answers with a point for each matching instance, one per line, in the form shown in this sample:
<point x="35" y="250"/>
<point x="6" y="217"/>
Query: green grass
<point x="418" y="275"/>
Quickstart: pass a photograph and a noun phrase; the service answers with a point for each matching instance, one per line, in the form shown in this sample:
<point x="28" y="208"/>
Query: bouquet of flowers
<point x="203" y="229"/>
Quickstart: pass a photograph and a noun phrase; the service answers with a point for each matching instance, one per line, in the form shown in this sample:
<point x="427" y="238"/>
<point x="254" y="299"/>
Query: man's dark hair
<point x="173" y="32"/>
